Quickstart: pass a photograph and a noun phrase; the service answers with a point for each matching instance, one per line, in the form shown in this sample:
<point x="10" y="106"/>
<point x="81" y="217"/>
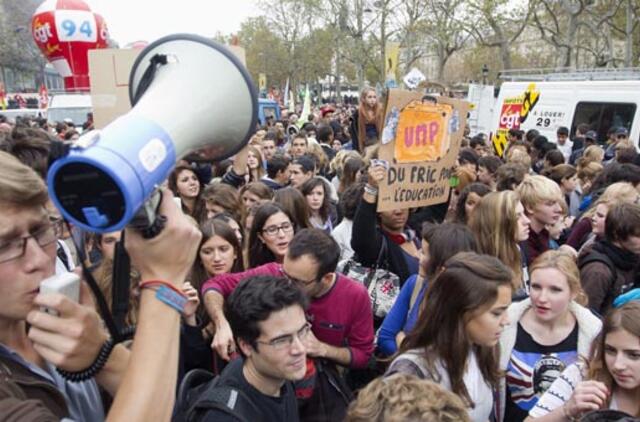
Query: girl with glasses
<point x="271" y="231"/>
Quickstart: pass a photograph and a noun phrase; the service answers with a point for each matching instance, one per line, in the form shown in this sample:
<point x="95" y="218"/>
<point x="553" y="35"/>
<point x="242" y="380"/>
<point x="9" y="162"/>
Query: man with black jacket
<point x="267" y="316"/>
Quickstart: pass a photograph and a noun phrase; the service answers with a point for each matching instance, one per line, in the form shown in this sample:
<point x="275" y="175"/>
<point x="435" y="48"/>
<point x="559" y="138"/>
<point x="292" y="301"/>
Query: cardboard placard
<point x="109" y="72"/>
<point x="423" y="150"/>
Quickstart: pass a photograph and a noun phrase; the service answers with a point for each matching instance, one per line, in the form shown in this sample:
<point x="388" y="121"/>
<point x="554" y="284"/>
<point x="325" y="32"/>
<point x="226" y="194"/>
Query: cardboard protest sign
<point x="420" y="141"/>
<point x="109" y="73"/>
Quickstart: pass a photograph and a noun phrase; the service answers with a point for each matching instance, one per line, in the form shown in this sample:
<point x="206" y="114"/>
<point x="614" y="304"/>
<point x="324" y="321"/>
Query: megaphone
<point x="188" y="93"/>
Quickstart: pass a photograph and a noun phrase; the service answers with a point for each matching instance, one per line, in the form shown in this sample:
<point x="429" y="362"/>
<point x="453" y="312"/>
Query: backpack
<point x="201" y="391"/>
<point x="595" y="256"/>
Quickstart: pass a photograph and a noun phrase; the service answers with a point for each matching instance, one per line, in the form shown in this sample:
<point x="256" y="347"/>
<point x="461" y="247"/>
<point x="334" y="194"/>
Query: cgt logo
<point x="510" y="116"/>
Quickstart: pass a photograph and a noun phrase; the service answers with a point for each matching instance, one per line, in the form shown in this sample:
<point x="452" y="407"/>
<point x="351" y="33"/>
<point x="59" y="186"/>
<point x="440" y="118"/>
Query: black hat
<point x="591" y="135"/>
<point x="622" y="131"/>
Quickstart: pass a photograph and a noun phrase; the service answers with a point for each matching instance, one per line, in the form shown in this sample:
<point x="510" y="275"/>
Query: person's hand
<point x="588" y="395"/>
<point x="72" y="339"/>
<point x="223" y="342"/>
<point x="315" y="348"/>
<point x="567" y="222"/>
<point x="170" y="255"/>
<point x="190" y="308"/>
<point x="569" y="250"/>
<point x="376" y="174"/>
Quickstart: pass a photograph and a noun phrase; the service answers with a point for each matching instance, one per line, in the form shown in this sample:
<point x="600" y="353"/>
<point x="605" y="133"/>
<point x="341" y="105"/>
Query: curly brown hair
<point x="402" y="397"/>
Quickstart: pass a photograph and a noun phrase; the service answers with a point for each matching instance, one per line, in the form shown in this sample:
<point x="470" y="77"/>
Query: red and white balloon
<point x="65" y="31"/>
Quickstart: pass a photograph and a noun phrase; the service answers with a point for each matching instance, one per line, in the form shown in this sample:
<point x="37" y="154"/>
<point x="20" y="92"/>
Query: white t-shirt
<point x="566" y="150"/>
<point x="561" y="390"/>
<point x="479" y="390"/>
<point x="342" y="234"/>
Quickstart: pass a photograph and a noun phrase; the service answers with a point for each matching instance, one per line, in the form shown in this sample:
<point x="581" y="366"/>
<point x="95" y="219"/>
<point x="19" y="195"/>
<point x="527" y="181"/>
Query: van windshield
<point x="77" y="114"/>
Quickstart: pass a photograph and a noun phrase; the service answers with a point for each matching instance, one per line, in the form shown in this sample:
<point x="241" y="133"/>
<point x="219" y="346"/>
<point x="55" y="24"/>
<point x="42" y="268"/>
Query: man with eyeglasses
<point x="267" y="316"/>
<point x="339" y="311"/>
<point x="35" y="344"/>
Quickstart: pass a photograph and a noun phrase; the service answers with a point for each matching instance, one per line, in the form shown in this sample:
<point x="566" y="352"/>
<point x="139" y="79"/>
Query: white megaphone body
<point x="188" y="93"/>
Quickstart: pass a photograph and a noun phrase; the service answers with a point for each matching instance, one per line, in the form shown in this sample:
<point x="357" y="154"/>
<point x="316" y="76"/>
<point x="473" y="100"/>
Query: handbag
<point x="383" y="285"/>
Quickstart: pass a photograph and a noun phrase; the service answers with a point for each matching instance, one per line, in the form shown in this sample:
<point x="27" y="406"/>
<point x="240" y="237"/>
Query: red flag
<point x="3" y="99"/>
<point x="44" y="97"/>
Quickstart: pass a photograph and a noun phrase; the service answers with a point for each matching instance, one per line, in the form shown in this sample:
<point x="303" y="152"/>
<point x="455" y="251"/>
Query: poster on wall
<point x="420" y="141"/>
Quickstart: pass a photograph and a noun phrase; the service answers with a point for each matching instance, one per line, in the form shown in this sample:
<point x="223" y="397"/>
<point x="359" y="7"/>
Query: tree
<point x="265" y="51"/>
<point x="17" y="48"/>
<point x="498" y="24"/>
<point x="444" y="30"/>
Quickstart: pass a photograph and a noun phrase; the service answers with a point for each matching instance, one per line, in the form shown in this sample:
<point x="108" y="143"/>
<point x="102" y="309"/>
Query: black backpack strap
<point x="201" y="391"/>
<point x="227" y="399"/>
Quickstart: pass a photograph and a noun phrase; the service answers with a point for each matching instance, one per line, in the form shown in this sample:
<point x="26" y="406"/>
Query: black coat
<point x="366" y="241"/>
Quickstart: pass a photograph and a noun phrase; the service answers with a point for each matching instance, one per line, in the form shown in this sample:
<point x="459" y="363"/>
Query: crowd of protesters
<point x="518" y="298"/>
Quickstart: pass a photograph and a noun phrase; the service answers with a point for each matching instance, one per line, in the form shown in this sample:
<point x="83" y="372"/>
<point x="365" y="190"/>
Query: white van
<point x="69" y="106"/>
<point x="12" y="113"/>
<point x="547" y="105"/>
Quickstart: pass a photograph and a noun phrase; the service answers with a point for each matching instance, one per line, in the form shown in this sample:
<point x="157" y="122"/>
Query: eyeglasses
<point x="286" y="341"/>
<point x="297" y="280"/>
<point x="273" y="230"/>
<point x="58" y="224"/>
<point x="14" y="249"/>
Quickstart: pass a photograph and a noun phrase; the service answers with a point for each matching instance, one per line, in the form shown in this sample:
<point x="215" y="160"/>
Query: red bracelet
<point x="156" y="283"/>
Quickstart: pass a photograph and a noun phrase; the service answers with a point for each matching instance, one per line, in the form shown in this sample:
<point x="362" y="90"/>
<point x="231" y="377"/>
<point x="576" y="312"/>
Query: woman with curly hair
<point x="401" y="398"/>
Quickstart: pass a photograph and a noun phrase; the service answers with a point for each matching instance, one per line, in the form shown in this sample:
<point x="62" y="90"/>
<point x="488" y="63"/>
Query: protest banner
<point x="420" y="141"/>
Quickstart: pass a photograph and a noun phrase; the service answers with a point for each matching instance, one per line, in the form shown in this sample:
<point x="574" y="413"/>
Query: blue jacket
<point x="400" y="317"/>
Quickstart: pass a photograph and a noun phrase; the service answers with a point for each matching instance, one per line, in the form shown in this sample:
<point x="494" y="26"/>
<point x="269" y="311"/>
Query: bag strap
<point x="416" y="291"/>
<point x="229" y="400"/>
<point x="383" y="249"/>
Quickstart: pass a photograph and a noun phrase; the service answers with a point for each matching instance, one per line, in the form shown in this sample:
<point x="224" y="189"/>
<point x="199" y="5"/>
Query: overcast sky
<point x="148" y="20"/>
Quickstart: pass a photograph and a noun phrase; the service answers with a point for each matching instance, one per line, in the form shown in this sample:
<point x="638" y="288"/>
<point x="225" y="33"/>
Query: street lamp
<point x="485" y="73"/>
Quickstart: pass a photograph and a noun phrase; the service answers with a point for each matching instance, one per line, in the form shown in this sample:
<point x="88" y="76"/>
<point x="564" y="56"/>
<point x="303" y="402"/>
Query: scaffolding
<point x="571" y="74"/>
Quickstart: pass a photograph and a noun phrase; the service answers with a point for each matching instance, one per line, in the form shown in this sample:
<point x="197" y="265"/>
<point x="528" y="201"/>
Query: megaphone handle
<point x="147" y="220"/>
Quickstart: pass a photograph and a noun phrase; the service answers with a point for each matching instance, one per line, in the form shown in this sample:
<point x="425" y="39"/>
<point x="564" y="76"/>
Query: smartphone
<point x="67" y="284"/>
<point x="383" y="163"/>
<point x="178" y="202"/>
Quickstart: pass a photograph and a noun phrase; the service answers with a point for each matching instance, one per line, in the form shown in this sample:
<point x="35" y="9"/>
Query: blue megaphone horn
<point x="188" y="93"/>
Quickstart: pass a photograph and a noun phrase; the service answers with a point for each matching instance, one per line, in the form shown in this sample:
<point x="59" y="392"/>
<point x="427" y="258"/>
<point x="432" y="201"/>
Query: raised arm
<point x="147" y="391"/>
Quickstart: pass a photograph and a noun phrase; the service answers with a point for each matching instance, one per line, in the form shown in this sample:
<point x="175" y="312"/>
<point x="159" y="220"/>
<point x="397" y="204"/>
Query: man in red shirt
<point x="339" y="312"/>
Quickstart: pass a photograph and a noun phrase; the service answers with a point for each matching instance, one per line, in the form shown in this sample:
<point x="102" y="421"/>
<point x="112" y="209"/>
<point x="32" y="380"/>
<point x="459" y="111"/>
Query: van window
<point x="270" y="112"/>
<point x="601" y="116"/>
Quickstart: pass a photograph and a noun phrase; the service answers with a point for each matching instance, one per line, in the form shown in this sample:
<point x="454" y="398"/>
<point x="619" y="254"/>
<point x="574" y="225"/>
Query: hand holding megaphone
<point x="188" y="93"/>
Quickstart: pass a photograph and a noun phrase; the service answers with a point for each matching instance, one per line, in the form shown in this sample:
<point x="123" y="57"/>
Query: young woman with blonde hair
<point x="591" y="225"/>
<point x="586" y="175"/>
<point x="499" y="225"/>
<point x="547" y="332"/>
<point x="366" y="122"/>
<point x="592" y="154"/>
<point x="609" y="380"/>
<point x="255" y="164"/>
